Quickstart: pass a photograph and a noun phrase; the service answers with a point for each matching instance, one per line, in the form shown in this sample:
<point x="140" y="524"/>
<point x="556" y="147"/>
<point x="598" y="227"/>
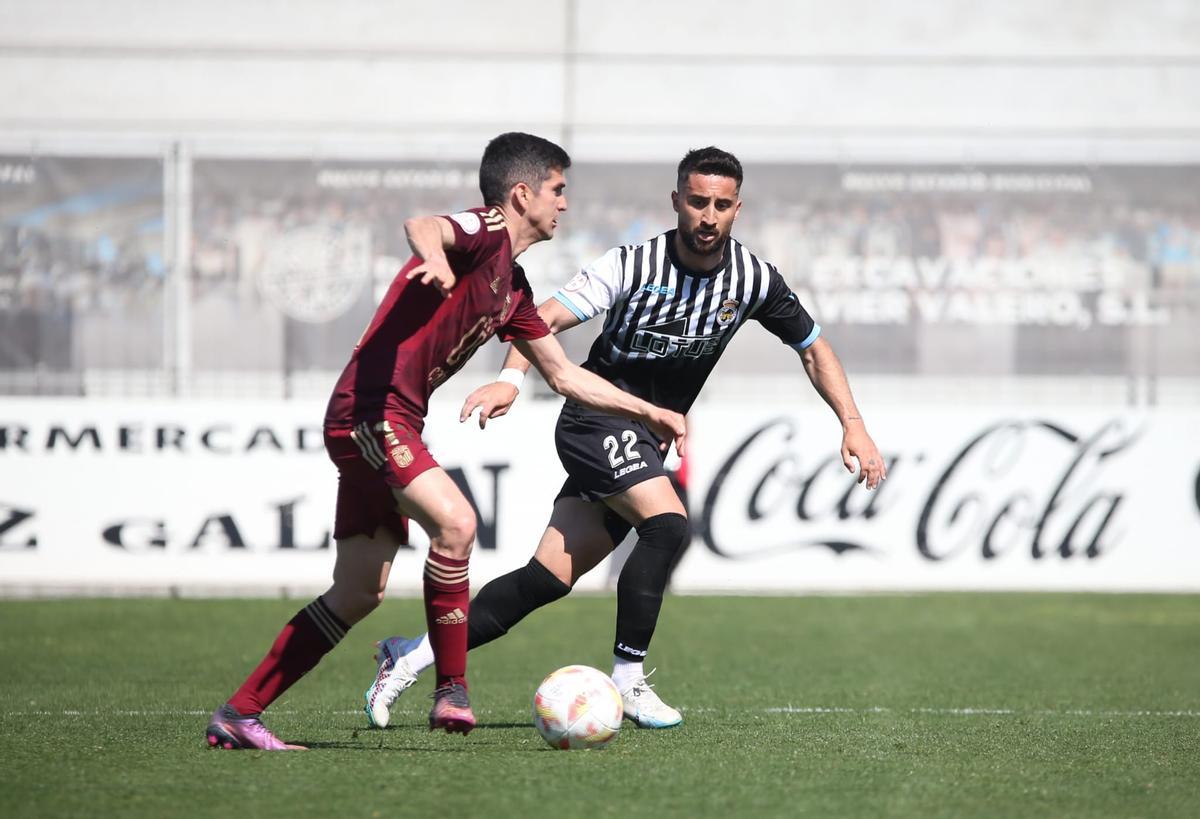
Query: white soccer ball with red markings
<point x="577" y="707"/>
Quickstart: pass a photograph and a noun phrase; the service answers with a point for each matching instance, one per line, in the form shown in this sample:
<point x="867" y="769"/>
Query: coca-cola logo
<point x="1028" y="486"/>
<point x="988" y="497"/>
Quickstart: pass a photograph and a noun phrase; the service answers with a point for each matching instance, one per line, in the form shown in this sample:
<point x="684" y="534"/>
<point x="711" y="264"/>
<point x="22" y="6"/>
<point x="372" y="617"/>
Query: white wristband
<point x="511" y="375"/>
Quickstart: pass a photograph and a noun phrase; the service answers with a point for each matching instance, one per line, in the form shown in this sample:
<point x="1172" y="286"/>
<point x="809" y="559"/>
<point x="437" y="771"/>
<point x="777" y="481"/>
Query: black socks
<point x="640" y="587"/>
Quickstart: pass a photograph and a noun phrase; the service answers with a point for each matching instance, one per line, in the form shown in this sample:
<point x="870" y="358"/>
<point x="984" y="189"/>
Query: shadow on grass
<point x="416" y="726"/>
<point x="380" y="747"/>
<point x="372" y="739"/>
<point x="341" y="746"/>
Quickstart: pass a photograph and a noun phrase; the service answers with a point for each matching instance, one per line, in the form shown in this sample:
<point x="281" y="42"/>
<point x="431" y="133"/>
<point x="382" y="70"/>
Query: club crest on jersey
<point x="728" y="311"/>
<point x="402" y="455"/>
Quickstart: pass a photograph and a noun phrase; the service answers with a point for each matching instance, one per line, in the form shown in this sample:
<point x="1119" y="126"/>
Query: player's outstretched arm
<point x="827" y="376"/>
<point x="429" y="236"/>
<point x="592" y="391"/>
<point x="495" y="399"/>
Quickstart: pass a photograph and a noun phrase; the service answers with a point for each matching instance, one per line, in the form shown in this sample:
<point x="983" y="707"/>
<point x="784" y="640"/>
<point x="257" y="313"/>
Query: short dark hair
<point x="515" y="157"/>
<point x="709" y="160"/>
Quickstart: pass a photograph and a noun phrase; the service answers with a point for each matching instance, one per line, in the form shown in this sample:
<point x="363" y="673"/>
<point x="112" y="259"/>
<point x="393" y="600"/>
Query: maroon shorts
<point x="371" y="459"/>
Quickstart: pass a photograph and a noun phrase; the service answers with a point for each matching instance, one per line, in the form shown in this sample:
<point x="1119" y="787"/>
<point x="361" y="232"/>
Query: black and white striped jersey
<point x="667" y="325"/>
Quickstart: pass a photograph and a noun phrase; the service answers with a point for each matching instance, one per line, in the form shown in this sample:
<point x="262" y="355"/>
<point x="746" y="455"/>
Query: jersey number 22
<point x="613" y="448"/>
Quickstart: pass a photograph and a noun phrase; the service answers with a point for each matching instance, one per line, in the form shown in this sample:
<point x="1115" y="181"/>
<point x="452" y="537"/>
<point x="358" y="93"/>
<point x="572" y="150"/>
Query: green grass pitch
<point x="949" y="705"/>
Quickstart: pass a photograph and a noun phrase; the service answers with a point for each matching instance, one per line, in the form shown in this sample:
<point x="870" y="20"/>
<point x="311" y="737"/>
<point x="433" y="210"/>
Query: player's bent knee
<point x="454" y="542"/>
<point x="542" y="585"/>
<point x="560" y="569"/>
<point x="457" y="536"/>
<point x="668" y="531"/>
<point x="453" y="548"/>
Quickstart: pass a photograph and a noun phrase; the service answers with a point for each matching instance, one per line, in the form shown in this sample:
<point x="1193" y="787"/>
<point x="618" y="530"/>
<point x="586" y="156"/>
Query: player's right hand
<point x="670" y="426"/>
<point x="437" y="273"/>
<point x="492" y="401"/>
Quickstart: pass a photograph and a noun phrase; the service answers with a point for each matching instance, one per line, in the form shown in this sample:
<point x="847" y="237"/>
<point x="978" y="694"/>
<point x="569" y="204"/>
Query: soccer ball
<point x="577" y="707"/>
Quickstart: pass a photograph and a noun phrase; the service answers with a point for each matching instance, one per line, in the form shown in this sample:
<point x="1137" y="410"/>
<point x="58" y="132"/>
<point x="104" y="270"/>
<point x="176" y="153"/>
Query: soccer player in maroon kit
<point x="460" y="288"/>
<point x="673" y="304"/>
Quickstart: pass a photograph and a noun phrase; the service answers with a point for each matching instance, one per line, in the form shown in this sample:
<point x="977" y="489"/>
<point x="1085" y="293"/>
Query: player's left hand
<point x="492" y="401"/>
<point x="856" y="443"/>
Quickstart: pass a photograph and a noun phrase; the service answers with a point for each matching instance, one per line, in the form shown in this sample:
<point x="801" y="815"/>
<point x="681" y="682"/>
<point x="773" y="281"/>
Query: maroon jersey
<point x="417" y="339"/>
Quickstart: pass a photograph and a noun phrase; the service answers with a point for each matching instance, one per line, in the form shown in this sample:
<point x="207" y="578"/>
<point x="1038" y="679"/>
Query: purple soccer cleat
<point x="451" y="709"/>
<point x="229" y="730"/>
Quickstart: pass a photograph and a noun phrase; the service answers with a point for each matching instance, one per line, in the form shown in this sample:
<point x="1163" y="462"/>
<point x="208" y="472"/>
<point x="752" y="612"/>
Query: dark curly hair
<point x="709" y="160"/>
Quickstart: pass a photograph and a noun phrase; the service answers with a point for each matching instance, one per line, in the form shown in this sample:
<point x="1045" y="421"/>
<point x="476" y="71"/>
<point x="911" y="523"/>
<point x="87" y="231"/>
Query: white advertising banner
<point x="238" y="497"/>
<point x="975" y="499"/>
<point x="216" y="496"/>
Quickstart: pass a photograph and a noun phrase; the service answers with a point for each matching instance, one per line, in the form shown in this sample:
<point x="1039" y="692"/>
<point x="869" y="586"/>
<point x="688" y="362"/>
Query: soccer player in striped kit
<point x="460" y="288"/>
<point x="673" y="303"/>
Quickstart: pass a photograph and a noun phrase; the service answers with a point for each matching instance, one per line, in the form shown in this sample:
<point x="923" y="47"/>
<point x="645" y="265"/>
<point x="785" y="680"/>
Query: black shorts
<point x="604" y="455"/>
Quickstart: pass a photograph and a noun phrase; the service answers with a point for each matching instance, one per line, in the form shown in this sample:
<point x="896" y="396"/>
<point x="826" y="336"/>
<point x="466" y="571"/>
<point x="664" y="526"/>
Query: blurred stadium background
<point x="993" y="211"/>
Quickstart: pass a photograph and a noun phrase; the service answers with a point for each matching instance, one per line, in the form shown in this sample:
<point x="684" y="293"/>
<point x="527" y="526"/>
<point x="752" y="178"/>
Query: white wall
<point x="1024" y="80"/>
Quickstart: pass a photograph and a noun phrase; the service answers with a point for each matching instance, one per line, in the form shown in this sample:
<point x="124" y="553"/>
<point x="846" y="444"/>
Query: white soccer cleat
<point x="393" y="677"/>
<point x="645" y="707"/>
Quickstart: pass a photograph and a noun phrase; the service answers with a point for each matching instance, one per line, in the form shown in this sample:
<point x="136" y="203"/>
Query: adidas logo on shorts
<point x="452" y="618"/>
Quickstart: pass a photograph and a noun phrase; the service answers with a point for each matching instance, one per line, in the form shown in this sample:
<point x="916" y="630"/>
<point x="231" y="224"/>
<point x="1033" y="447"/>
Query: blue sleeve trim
<point x="804" y="345"/>
<point x="565" y="302"/>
